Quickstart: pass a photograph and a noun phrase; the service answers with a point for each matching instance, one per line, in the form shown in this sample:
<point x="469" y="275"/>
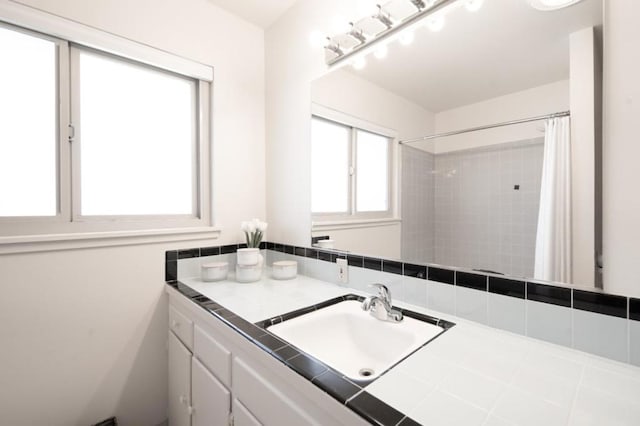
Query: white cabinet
<point x="242" y="416"/>
<point x="211" y="400"/>
<point x="196" y="396"/>
<point x="179" y="383"/>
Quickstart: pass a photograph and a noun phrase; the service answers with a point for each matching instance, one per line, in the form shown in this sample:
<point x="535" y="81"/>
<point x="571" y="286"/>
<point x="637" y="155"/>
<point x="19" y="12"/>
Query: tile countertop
<point x="470" y="375"/>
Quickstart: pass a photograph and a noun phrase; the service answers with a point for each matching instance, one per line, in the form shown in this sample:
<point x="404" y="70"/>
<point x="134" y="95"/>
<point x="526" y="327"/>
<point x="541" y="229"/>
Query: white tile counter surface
<point x="471" y="374"/>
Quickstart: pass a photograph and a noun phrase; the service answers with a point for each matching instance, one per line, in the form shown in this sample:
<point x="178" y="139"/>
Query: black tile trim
<point x="355" y="261"/>
<point x="171" y="270"/>
<point x="416" y="271"/>
<point x="336" y="386"/>
<point x="473" y="281"/>
<point x="209" y="251"/>
<point x="229" y="248"/>
<point x="634" y="309"/>
<point x="605" y="304"/>
<point x="311" y="253"/>
<point x="186" y="254"/>
<point x="441" y="275"/>
<point x="392" y="267"/>
<point x="408" y="421"/>
<point x="371" y="407"/>
<point x="372" y="263"/>
<point x="324" y="255"/>
<point x="552" y="295"/>
<point x="506" y="287"/>
<point x="600" y="303"/>
<point x="306" y="366"/>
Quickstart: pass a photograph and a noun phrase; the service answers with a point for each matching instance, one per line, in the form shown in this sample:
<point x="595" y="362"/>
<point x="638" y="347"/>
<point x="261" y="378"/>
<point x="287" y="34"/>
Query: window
<point x="351" y="171"/>
<point x="92" y="141"/>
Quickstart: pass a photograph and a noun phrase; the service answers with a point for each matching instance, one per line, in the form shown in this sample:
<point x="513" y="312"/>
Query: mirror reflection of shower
<point x="501" y="207"/>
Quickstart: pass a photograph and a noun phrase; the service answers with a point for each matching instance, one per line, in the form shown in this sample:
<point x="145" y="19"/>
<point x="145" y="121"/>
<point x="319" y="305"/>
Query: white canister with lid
<point x="284" y="269"/>
<point x="214" y="271"/>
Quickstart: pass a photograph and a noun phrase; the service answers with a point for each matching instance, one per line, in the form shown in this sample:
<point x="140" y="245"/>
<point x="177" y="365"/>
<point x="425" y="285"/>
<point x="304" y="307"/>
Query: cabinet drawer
<point x="213" y="355"/>
<point x="181" y="326"/>
<point x="242" y="416"/>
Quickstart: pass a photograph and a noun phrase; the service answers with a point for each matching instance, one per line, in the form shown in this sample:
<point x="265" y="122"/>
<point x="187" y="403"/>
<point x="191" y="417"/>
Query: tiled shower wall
<point x="417" y="205"/>
<point x="481" y="210"/>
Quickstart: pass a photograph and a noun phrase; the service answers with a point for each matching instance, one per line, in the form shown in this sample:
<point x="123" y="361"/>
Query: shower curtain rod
<point x="488" y="126"/>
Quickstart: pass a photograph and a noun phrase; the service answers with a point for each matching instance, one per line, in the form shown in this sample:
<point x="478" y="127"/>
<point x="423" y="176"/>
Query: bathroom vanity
<point x="225" y="365"/>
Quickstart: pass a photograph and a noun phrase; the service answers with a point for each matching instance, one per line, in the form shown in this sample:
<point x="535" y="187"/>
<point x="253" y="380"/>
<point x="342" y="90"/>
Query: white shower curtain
<point x="553" y="239"/>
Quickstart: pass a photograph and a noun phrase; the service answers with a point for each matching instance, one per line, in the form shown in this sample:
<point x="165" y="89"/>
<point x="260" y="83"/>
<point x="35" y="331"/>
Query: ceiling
<point x="503" y="48"/>
<point x="263" y="13"/>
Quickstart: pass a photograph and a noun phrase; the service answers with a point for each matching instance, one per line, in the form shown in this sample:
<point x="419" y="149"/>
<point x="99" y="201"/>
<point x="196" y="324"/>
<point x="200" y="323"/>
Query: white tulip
<point x="262" y="226"/>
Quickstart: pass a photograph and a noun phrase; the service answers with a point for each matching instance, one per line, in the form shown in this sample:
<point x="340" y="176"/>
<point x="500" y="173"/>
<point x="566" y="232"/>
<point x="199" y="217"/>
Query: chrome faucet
<point x="380" y="306"/>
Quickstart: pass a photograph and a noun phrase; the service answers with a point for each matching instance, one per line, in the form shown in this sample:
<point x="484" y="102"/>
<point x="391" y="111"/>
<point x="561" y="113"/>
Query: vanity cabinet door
<point x="242" y="416"/>
<point x="211" y="400"/>
<point x="179" y="383"/>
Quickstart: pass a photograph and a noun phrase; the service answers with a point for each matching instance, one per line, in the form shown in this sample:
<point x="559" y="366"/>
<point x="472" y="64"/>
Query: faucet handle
<point x="383" y="291"/>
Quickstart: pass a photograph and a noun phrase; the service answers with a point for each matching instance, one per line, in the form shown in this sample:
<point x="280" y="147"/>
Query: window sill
<point x="333" y="225"/>
<point x="48" y="242"/>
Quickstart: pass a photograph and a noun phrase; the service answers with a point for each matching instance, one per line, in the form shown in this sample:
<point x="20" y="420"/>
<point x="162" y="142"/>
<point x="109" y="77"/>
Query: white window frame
<point x="353" y="217"/>
<point x="68" y="224"/>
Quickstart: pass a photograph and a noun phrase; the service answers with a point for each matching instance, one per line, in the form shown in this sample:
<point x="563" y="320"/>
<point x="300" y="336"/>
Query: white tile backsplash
<point x="471" y="304"/>
<point x="602" y="335"/>
<point x="441" y="297"/>
<point x="507" y="313"/>
<point x="549" y="322"/>
<point x="634" y="341"/>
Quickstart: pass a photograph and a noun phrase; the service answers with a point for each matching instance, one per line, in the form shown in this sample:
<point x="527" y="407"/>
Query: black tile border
<point x="634" y="309"/>
<point x="600" y="303"/>
<point x="473" y="281"/>
<point x="507" y="287"/>
<point x="564" y="296"/>
<point x="559" y="296"/>
<point x="441" y="275"/>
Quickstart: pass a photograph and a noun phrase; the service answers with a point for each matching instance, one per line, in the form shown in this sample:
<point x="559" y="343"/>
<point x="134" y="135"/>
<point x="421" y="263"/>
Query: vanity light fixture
<point x="549" y="5"/>
<point x="357" y="34"/>
<point x="383" y="17"/>
<point x="337" y="53"/>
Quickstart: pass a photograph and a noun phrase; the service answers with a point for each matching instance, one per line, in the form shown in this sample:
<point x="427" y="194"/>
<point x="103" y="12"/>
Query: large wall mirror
<point x="416" y="156"/>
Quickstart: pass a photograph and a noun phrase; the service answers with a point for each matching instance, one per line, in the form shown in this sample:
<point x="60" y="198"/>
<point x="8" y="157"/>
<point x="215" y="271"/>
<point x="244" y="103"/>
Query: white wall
<point x="84" y="331"/>
<point x="621" y="150"/>
<point x="349" y="94"/>
<point x="541" y="100"/>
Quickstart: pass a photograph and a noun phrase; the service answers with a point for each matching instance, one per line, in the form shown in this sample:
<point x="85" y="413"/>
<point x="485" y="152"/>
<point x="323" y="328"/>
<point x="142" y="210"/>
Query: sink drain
<point x="365" y="372"/>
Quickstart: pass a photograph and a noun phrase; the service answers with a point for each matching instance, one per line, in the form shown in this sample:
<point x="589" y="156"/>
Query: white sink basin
<point x="353" y="342"/>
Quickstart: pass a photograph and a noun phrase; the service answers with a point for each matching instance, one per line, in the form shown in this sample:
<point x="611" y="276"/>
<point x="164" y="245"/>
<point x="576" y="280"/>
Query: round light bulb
<point x="406" y="38"/>
<point x="359" y="63"/>
<point x="473" y="5"/>
<point x="436" y="23"/>
<point x="381" y="52"/>
<point x="317" y="39"/>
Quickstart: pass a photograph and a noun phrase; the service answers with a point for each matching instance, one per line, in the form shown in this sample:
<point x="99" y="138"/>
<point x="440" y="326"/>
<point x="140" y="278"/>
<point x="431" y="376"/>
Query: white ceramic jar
<point x="248" y="273"/>
<point x="284" y="269"/>
<point x="214" y="271"/>
<point x="248" y="256"/>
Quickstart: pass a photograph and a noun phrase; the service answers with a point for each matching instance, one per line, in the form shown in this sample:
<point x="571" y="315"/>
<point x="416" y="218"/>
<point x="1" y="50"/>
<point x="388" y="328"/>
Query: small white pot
<point x="284" y="269"/>
<point x="248" y="274"/>
<point x="214" y="271"/>
<point x="248" y="256"/>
